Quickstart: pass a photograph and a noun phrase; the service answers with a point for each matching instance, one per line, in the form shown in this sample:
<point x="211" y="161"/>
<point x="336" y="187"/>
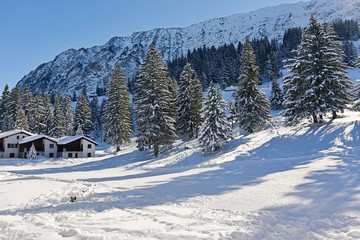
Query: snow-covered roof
<point x="69" y="139"/>
<point x="231" y="88"/>
<point x="13" y="132"/>
<point x="34" y="138"/>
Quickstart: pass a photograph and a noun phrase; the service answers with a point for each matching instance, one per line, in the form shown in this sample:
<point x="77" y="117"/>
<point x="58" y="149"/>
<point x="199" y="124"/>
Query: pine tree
<point x="48" y="114"/>
<point x="215" y="129"/>
<point x="68" y="115"/>
<point x="350" y="53"/>
<point x="15" y="106"/>
<point x="317" y="83"/>
<point x="32" y="154"/>
<point x="6" y="121"/>
<point x="37" y="116"/>
<point x="116" y="118"/>
<point x="277" y="96"/>
<point x="26" y="100"/>
<point x="95" y="116"/>
<point x="83" y="115"/>
<point x="251" y="104"/>
<point x="356" y="93"/>
<point x="190" y="102"/>
<point x="58" y="124"/>
<point x="21" y="121"/>
<point x="153" y="103"/>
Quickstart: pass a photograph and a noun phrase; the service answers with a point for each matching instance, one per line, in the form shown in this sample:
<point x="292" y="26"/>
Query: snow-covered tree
<point x="79" y="131"/>
<point x="37" y="116"/>
<point x="48" y="114"/>
<point x="21" y="121"/>
<point x="153" y="102"/>
<point x="357" y="97"/>
<point x="6" y="121"/>
<point x="251" y="104"/>
<point x="83" y="114"/>
<point x="95" y="116"/>
<point x="68" y="115"/>
<point x="317" y="83"/>
<point x="215" y="129"/>
<point x="58" y="124"/>
<point x="277" y="96"/>
<point x="32" y="154"/>
<point x="15" y="107"/>
<point x="190" y="102"/>
<point x="116" y="117"/>
<point x="350" y="53"/>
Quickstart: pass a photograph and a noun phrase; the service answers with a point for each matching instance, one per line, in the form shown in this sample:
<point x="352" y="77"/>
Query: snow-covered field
<point x="283" y="182"/>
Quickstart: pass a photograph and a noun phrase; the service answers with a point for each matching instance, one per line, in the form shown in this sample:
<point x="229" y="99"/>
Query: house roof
<point x="14" y="132"/>
<point x="34" y="138"/>
<point x="69" y="139"/>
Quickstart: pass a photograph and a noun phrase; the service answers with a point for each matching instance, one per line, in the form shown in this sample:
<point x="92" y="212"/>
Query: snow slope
<point x="71" y="69"/>
<point x="280" y="183"/>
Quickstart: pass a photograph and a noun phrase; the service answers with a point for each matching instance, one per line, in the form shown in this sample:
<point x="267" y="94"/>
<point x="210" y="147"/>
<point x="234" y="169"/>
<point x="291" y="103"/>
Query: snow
<point x="283" y="182"/>
<point x="13" y="132"/>
<point x="35" y="137"/>
<point x="69" y="139"/>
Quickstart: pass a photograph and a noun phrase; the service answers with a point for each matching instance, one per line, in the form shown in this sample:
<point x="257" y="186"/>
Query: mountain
<point x="70" y="70"/>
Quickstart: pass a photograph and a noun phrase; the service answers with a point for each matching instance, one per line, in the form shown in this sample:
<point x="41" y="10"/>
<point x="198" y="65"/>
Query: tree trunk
<point x="156" y="149"/>
<point x="315" y="118"/>
<point x="334" y="115"/>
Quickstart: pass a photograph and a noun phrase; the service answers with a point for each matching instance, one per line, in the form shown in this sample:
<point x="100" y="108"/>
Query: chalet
<point x="17" y="143"/>
<point x="9" y="142"/>
<point x="44" y="145"/>
<point x="76" y="146"/>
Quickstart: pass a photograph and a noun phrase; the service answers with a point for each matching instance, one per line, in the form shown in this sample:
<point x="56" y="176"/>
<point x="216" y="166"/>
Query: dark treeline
<point x="221" y="64"/>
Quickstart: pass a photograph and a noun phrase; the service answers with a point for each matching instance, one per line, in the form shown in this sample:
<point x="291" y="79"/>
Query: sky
<point x="34" y="32"/>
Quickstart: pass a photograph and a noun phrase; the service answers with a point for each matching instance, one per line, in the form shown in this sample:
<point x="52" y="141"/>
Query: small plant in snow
<point x="32" y="153"/>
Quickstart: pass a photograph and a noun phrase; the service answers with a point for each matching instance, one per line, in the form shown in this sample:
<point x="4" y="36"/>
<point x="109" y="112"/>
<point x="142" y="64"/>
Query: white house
<point x="9" y="142"/>
<point x="76" y="146"/>
<point x="17" y="143"/>
<point x="44" y="145"/>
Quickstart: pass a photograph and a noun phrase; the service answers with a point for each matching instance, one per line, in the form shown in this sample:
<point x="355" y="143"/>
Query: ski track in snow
<point x="279" y="183"/>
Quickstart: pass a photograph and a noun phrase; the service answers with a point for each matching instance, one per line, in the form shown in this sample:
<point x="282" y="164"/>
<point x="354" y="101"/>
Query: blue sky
<point x="35" y="31"/>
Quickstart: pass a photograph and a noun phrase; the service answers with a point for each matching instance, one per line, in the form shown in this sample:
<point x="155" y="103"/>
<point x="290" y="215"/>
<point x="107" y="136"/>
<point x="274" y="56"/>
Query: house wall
<point x="81" y="145"/>
<point x="42" y="147"/>
<point x="14" y="139"/>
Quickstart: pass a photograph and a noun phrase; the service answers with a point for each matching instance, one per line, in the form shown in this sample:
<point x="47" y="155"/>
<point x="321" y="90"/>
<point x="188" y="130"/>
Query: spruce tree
<point x="21" y="121"/>
<point x="317" y="83"/>
<point x="58" y="124"/>
<point x="356" y="92"/>
<point x="116" y="117"/>
<point x="15" y="106"/>
<point x="32" y="154"/>
<point x="83" y="115"/>
<point x="37" y="116"/>
<point x="190" y="102"/>
<point x="251" y="104"/>
<point x="6" y="121"/>
<point x="68" y="115"/>
<point x="277" y="96"/>
<point x="48" y="114"/>
<point x="95" y="116"/>
<point x="153" y="102"/>
<point x="216" y="128"/>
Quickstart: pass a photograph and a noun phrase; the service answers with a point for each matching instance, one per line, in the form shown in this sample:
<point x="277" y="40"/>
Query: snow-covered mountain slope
<point x="279" y="183"/>
<point x="72" y="69"/>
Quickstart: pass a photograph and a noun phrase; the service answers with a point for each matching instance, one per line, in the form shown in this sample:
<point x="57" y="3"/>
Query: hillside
<point x="280" y="183"/>
<point x="70" y="70"/>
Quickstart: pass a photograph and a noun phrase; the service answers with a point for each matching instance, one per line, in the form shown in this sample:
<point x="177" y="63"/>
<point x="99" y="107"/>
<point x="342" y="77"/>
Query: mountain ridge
<point x="74" y="68"/>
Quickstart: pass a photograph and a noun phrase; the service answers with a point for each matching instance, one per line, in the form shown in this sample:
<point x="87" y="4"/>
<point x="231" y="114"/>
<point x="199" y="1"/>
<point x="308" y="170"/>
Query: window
<point x="12" y="155"/>
<point x="76" y="155"/>
<point x="51" y="155"/>
<point x="69" y="155"/>
<point x="12" y="145"/>
<point x="17" y="137"/>
<point x="89" y="155"/>
<point x="89" y="145"/>
<point x="51" y="145"/>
